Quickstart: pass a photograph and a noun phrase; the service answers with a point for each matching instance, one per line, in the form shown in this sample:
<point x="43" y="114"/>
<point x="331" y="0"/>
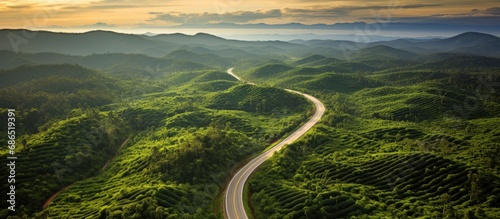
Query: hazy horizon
<point x="238" y="19"/>
<point x="248" y="34"/>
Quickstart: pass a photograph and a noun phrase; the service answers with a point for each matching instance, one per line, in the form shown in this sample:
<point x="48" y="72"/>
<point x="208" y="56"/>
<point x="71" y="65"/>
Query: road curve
<point x="233" y="200"/>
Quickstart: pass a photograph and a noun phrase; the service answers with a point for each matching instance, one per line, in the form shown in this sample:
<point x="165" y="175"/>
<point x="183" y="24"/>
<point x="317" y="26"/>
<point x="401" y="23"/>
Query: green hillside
<point x="70" y="150"/>
<point x="268" y="71"/>
<point x="416" y="103"/>
<point x="257" y="99"/>
<point x="212" y="76"/>
<point x="461" y="62"/>
<point x="309" y="59"/>
<point x="177" y="163"/>
<point x="394" y="143"/>
<point x="182" y="144"/>
<point x="28" y="73"/>
<point x="206" y="59"/>
<point x="115" y="125"/>
<point x="382" y="52"/>
<point x="122" y="65"/>
<point x="375" y="168"/>
<point x="330" y="82"/>
<point x="45" y="92"/>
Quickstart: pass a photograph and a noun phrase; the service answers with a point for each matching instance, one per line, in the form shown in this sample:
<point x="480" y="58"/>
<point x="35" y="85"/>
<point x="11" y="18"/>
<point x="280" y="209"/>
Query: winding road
<point x="233" y="201"/>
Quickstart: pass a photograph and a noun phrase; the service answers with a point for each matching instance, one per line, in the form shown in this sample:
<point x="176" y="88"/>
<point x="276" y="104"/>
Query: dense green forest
<point x="170" y="140"/>
<point x="154" y="127"/>
<point x="413" y="142"/>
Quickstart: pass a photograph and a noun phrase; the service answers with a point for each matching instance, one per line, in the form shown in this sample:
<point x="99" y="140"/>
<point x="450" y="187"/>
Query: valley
<point x="138" y="126"/>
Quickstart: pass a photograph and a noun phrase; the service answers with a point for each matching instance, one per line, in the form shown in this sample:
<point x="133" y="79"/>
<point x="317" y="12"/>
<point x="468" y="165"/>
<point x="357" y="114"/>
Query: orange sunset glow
<point x="155" y="13"/>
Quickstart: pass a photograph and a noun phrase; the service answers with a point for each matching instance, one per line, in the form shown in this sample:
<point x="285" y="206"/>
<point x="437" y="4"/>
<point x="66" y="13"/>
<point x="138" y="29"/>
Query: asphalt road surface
<point x="233" y="201"/>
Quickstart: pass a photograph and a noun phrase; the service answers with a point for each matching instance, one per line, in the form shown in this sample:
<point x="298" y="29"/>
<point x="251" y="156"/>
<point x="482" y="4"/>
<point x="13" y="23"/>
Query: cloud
<point x="492" y="11"/>
<point x="454" y="20"/>
<point x="295" y="13"/>
<point x="181" y="18"/>
<point x="116" y="4"/>
<point x="342" y="11"/>
<point x="489" y="16"/>
<point x="93" y="7"/>
<point x="232" y="17"/>
<point x="98" y="25"/>
<point x="94" y="26"/>
<point x="168" y="12"/>
<point x="19" y="6"/>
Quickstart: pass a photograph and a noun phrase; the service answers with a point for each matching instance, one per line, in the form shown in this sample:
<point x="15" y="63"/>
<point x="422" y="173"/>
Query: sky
<point x="144" y="14"/>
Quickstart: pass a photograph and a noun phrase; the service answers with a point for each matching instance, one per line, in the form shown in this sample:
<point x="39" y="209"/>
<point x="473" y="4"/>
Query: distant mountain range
<point x="99" y="42"/>
<point x="467" y="43"/>
<point x="387" y="26"/>
<point x="102" y="42"/>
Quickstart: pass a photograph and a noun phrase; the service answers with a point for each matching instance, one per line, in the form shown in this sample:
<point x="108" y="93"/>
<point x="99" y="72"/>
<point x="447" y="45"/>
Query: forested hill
<point x="158" y="132"/>
<point x="100" y="42"/>
<point x="45" y="92"/>
<point x="135" y="126"/>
